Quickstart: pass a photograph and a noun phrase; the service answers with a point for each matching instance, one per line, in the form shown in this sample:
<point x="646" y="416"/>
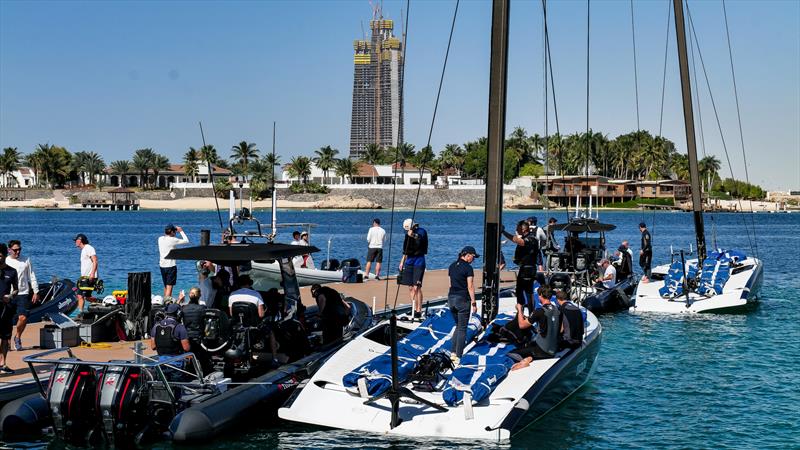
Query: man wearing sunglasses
<point x="28" y="296"/>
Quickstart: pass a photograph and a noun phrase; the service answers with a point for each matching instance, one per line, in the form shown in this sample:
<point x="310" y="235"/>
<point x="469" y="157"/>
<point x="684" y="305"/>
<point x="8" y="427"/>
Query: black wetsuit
<point x="572" y="326"/>
<point x="646" y="258"/>
<point x="525" y="256"/>
<point x="626" y="265"/>
<point x="194" y="321"/>
<point x="545" y="341"/>
<point x="333" y="316"/>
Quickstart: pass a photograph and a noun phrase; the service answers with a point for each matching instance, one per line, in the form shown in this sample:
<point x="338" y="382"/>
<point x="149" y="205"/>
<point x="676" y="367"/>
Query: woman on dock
<point x="461" y="298"/>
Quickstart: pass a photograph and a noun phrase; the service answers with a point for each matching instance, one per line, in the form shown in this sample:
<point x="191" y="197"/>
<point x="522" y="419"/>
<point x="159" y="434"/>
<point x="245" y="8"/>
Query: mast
<point x="498" y="69"/>
<point x="274" y="199"/>
<point x="691" y="143"/>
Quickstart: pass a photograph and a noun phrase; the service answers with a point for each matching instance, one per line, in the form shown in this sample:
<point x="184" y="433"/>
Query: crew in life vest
<point x="169" y="337"/>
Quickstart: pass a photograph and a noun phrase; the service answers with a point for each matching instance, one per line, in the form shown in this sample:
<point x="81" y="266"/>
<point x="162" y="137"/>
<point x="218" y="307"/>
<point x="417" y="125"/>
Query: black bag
<point x="430" y="370"/>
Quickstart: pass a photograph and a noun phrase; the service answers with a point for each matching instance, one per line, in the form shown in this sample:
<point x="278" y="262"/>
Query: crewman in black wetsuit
<point x="545" y="340"/>
<point x="646" y="253"/>
<point x="525" y="256"/>
<point x="193" y="320"/>
<point x="572" y="326"/>
<point x="334" y="312"/>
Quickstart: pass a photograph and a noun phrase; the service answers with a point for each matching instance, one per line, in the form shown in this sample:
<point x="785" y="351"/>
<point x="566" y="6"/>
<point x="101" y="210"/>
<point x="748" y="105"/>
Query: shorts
<point x="24" y="304"/>
<point x="169" y="275"/>
<point x="375" y="255"/>
<point x="7" y="314"/>
<point x="411" y="276"/>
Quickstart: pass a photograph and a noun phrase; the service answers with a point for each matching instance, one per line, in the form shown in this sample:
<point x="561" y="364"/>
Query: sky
<point x="116" y="76"/>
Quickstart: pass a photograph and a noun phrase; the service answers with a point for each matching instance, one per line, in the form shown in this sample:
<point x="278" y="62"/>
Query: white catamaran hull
<point x="268" y="275"/>
<point x="741" y="292"/>
<point x="522" y="397"/>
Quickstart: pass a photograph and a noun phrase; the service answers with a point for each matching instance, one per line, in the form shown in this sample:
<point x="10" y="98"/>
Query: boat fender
<point x="25" y="416"/>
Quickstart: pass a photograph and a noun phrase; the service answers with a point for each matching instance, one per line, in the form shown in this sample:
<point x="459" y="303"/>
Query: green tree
<point x="404" y="154"/>
<point x="325" y="160"/>
<point x="243" y="153"/>
<point x="191" y="168"/>
<point x="709" y="168"/>
<point x="36" y="161"/>
<point x="300" y="167"/>
<point x="57" y="164"/>
<point x="346" y="168"/>
<point x="373" y="154"/>
<point x="120" y="168"/>
<point x="9" y="162"/>
<point x="79" y="160"/>
<point x="93" y="165"/>
<point x="160" y="164"/>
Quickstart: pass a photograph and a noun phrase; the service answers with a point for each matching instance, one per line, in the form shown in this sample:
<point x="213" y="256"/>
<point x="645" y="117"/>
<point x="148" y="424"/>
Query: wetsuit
<point x="333" y="316"/>
<point x="572" y="326"/>
<point x="646" y="258"/>
<point x="545" y="341"/>
<point x="525" y="256"/>
<point x="193" y="320"/>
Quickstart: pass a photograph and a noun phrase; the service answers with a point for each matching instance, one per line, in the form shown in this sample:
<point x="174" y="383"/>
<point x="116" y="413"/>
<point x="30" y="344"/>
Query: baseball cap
<point x="532" y="220"/>
<point x="470" y="250"/>
<point x="642" y="225"/>
<point x="602" y="261"/>
<point x="304" y="233"/>
<point x="170" y="227"/>
<point x="80" y="236"/>
<point x="407" y="224"/>
<point x="172" y="309"/>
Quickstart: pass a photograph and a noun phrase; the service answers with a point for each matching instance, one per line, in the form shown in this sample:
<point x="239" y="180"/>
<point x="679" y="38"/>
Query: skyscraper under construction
<point x="377" y="88"/>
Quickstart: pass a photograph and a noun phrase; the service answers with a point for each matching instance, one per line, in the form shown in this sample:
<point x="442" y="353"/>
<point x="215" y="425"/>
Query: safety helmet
<point x="110" y="300"/>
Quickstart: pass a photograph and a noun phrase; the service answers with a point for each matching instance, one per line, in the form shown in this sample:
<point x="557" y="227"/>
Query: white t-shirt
<point x="207" y="292"/>
<point x="375" y="237"/>
<point x="245" y="295"/>
<point x="165" y="245"/>
<point x="86" y="261"/>
<point x="25" y="275"/>
<point x="610" y="270"/>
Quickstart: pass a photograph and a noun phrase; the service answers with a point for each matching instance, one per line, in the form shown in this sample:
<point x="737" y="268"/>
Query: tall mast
<point x="498" y="67"/>
<point x="688" y="119"/>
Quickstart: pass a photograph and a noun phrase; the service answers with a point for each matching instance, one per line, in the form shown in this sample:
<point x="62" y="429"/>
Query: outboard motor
<point x="330" y="264"/>
<point x="71" y="398"/>
<point x="560" y="281"/>
<point x="122" y="404"/>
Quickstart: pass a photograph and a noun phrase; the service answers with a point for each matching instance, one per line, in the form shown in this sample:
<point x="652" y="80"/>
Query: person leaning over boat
<point x="28" y="287"/>
<point x="545" y="340"/>
<point x="193" y="313"/>
<point x="609" y="278"/>
<point x="246" y="294"/>
<point x="415" y="247"/>
<point x="646" y="252"/>
<point x="334" y="312"/>
<point x="166" y="243"/>
<point x="375" y="238"/>
<point x="461" y="297"/>
<point x="572" y="322"/>
<point x="525" y="257"/>
<point x="89" y="265"/>
<point x="8" y="287"/>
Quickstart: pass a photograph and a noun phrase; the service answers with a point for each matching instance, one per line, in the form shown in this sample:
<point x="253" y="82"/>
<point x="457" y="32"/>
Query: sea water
<point x="703" y="381"/>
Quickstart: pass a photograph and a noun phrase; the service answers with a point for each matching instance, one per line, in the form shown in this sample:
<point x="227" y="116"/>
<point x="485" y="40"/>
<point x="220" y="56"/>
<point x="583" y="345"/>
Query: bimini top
<point x="235" y="253"/>
<point x="583" y="226"/>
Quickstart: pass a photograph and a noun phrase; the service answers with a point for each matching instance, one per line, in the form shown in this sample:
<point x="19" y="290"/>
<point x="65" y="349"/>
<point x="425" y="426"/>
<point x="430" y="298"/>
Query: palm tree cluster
<point x="9" y="162"/>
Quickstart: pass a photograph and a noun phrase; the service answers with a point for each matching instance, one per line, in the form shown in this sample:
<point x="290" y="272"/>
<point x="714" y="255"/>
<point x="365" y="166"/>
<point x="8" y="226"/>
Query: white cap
<point x="109" y="300"/>
<point x="156" y="300"/>
<point x="407" y="224"/>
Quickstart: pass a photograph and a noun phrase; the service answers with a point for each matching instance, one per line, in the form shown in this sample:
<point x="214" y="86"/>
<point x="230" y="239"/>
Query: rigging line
<point x="549" y="58"/>
<point x="697" y="100"/>
<point x="636" y="95"/>
<point x="664" y="77"/>
<point x="588" y="140"/>
<point x="394" y="173"/>
<point x="739" y="118"/>
<point x="211" y="177"/>
<point x="716" y="116"/>
<point x="546" y="111"/>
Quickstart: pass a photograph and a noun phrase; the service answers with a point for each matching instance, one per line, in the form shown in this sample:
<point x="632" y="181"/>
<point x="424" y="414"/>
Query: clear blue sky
<point x="113" y="77"/>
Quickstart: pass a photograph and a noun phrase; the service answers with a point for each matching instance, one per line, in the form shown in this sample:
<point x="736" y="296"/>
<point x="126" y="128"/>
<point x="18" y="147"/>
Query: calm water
<point x="691" y="382"/>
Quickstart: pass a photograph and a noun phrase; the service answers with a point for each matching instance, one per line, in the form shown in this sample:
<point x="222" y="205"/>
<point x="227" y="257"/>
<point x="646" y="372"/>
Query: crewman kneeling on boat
<point x="169" y="337"/>
<point x="545" y="340"/>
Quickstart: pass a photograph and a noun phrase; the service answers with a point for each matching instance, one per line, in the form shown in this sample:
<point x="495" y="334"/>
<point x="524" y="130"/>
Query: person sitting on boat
<point x="246" y="294"/>
<point x="169" y="336"/>
<point x="288" y="336"/>
<point x="297" y="261"/>
<point x="525" y="256"/>
<point x="461" y="297"/>
<point x="334" y="312"/>
<point x="194" y="322"/>
<point x="609" y="278"/>
<point x="546" y="320"/>
<point x="572" y="326"/>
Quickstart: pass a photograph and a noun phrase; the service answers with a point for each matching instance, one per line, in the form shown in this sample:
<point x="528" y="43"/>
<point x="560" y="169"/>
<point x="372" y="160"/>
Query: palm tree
<point x="209" y="154"/>
<point x="36" y="161"/>
<point x="9" y="162"/>
<point x="79" y="165"/>
<point x="405" y="153"/>
<point x="160" y="163"/>
<point x="121" y="168"/>
<point x="243" y="153"/>
<point x="325" y="160"/>
<point x="373" y="154"/>
<point x="190" y="166"/>
<point x="708" y="168"/>
<point x="300" y="167"/>
<point x="93" y="165"/>
<point x="57" y="164"/>
<point x="453" y="156"/>
<point x="346" y="168"/>
<point x="143" y="160"/>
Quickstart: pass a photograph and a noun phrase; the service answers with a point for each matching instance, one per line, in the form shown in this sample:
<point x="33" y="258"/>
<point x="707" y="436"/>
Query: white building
<point x="23" y="177"/>
<point x="367" y="174"/>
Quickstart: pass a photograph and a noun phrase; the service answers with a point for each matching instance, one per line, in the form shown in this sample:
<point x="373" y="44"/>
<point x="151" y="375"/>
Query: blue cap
<point x="532" y="220"/>
<point x="642" y="225"/>
<point x="469" y="250"/>
<point x="172" y="309"/>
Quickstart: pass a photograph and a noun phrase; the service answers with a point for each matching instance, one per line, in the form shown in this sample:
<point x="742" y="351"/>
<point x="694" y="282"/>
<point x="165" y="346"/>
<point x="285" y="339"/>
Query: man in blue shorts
<point x="412" y="264"/>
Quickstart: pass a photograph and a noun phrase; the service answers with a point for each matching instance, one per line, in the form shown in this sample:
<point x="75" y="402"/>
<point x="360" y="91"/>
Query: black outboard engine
<point x="71" y="398"/>
<point x="248" y="341"/>
<point x="330" y="264"/>
<point x="122" y="404"/>
<point x="560" y="281"/>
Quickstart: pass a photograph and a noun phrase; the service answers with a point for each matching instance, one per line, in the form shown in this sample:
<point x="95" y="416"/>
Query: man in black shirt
<point x="334" y="312"/>
<point x="193" y="320"/>
<point x="461" y="297"/>
<point x="646" y="253"/>
<point x="525" y="256"/>
<point x="545" y="340"/>
<point x="8" y="287"/>
<point x="572" y="326"/>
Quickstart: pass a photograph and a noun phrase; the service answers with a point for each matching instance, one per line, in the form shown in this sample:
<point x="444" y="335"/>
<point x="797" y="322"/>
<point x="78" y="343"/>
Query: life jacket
<point x="166" y="342"/>
<point x="572" y="324"/>
<point x="416" y="246"/>
<point x="193" y="320"/>
<point x="525" y="255"/>
<point x="549" y="327"/>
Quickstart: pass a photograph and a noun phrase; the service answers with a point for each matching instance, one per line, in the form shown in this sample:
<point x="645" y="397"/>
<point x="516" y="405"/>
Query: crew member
<point x="28" y="294"/>
<point x="375" y="238"/>
<point x="308" y="261"/>
<point x="246" y="294"/>
<point x="552" y="243"/>
<point x="461" y="297"/>
<point x="609" y="278"/>
<point x="8" y="286"/>
<point x="166" y="243"/>
<point x="545" y="340"/>
<point x="89" y="266"/>
<point x="541" y="239"/>
<point x="625" y="269"/>
<point x="646" y="252"/>
<point x="334" y="312"/>
<point x="525" y="257"/>
<point x="415" y="247"/>
<point x="206" y="280"/>
<point x="193" y="313"/>
<point x="572" y="326"/>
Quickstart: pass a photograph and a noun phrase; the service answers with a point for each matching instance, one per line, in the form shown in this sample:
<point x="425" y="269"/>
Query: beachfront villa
<point x="23" y="177"/>
<point x="167" y="178"/>
<point x="367" y="174"/>
<point x="565" y="189"/>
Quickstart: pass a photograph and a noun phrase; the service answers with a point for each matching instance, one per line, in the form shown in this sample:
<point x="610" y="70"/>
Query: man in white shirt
<point x="167" y="242"/>
<point x="609" y="278"/>
<point x="375" y="237"/>
<point x="308" y="261"/>
<point x="28" y="295"/>
<point x="297" y="261"/>
<point x="246" y="294"/>
<point x="89" y="264"/>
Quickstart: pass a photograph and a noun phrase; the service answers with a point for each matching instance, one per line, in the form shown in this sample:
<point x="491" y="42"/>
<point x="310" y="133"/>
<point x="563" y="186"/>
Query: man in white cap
<point x="412" y="264"/>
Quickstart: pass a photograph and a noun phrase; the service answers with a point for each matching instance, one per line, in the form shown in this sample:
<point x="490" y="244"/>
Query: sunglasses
<point x="16" y="250"/>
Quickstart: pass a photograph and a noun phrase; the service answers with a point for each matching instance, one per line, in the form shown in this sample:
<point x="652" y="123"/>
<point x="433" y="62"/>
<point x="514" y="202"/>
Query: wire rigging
<point x="664" y="77"/>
